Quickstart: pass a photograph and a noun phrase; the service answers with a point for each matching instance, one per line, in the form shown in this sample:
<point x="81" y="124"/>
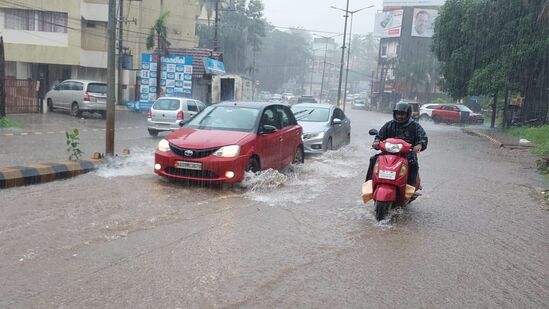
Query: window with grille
<point x="32" y="20"/>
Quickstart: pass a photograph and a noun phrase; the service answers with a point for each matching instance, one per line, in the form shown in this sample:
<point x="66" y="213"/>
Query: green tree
<point x="364" y="52"/>
<point x="284" y="57"/>
<point x="492" y="47"/>
<point x="159" y="31"/>
<point x="241" y="30"/>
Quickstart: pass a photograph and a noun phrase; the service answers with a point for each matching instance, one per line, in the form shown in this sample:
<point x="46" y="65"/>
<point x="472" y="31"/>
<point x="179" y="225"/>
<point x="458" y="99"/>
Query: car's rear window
<point x="306" y="100"/>
<point x="311" y="114"/>
<point x="229" y="118"/>
<point x="97" y="88"/>
<point x="167" y="104"/>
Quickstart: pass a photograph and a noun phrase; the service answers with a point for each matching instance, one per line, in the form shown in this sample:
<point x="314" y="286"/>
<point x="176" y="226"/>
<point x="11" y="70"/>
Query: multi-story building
<point x="406" y="66"/>
<point x="324" y="71"/>
<point x="60" y="39"/>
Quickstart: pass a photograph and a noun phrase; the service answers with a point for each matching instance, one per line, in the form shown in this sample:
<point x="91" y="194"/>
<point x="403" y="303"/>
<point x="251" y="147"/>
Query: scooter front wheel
<point x="382" y="208"/>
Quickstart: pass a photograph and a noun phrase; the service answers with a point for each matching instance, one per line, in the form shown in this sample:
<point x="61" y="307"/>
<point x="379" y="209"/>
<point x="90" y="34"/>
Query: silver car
<point x="325" y="126"/>
<point x="77" y="96"/>
<point x="167" y="113"/>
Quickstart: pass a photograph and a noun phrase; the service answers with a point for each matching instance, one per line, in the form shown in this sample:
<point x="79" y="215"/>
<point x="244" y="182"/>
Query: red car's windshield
<point x="230" y="118"/>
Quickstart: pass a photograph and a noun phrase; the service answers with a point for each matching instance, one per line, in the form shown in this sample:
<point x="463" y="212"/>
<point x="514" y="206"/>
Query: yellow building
<point x="55" y="40"/>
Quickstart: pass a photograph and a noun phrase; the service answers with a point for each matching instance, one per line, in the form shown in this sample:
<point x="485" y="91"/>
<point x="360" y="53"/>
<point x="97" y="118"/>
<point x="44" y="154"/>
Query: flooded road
<point x="122" y="237"/>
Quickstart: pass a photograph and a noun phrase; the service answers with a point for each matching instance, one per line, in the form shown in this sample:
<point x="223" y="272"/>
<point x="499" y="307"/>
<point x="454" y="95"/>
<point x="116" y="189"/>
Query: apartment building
<point x="53" y="40"/>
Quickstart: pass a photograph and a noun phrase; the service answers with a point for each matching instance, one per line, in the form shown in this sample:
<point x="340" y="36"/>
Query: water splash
<point x="140" y="162"/>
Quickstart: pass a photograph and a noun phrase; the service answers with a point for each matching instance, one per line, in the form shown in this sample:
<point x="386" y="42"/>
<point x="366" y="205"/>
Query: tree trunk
<point x="505" y="107"/>
<point x="494" y="110"/>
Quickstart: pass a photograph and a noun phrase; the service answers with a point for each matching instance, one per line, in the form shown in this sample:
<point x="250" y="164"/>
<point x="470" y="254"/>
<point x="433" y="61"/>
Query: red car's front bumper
<point x="214" y="169"/>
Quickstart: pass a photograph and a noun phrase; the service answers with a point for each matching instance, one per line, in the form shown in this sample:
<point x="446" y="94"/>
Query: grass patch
<point x="539" y="136"/>
<point x="5" y="122"/>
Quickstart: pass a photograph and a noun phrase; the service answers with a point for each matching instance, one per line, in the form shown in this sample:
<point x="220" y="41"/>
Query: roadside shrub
<point x="5" y="122"/>
<point x="73" y="144"/>
<point x="539" y="136"/>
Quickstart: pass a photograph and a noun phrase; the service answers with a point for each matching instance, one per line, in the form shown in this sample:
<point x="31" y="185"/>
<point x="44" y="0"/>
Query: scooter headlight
<point x="393" y="148"/>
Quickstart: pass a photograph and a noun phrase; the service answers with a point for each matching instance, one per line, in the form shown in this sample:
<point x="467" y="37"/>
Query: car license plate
<point x="387" y="175"/>
<point x="101" y="101"/>
<point x="189" y="165"/>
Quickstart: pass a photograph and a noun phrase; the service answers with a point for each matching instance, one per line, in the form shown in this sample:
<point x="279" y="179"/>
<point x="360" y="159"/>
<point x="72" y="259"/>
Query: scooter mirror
<point x="372" y="132"/>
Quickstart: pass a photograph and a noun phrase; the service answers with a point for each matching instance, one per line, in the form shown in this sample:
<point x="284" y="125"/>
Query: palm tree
<point x="210" y="7"/>
<point x="544" y="14"/>
<point x="159" y="31"/>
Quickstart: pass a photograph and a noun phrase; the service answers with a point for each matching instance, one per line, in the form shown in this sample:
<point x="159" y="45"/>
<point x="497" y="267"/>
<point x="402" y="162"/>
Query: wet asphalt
<point x="301" y="238"/>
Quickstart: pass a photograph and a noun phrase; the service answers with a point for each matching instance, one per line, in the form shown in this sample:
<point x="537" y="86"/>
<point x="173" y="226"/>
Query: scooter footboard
<point x="385" y="193"/>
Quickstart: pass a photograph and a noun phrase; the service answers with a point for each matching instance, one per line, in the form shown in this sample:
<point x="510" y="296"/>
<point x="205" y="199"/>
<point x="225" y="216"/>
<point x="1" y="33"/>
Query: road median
<point x="40" y="173"/>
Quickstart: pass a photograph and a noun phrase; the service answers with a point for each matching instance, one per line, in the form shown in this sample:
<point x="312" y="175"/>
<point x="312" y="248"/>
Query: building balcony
<point x="94" y="11"/>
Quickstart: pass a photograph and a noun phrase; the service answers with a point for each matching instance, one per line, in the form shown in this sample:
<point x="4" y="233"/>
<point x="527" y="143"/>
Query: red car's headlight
<point x="231" y="151"/>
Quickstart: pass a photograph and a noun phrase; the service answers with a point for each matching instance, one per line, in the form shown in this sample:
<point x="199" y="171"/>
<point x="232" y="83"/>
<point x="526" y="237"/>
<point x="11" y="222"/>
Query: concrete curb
<point x="39" y="173"/>
<point x="493" y="140"/>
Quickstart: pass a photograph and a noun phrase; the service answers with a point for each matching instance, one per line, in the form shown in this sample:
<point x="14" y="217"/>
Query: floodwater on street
<point x="124" y="237"/>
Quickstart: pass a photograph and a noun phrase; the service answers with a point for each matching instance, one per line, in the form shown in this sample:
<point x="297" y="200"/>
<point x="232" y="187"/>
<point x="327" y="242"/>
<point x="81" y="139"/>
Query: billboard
<point x="390" y="3"/>
<point x="388" y="24"/>
<point x="176" y="77"/>
<point x="423" y="22"/>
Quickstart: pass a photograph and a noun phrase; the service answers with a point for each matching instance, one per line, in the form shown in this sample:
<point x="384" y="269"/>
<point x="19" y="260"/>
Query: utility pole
<point x="323" y="70"/>
<point x="111" y="68"/>
<point x="312" y="74"/>
<point x="2" y="80"/>
<point x="120" y="50"/>
<point x="326" y="38"/>
<point x="347" y="12"/>
<point x="342" y="55"/>
<point x="216" y="25"/>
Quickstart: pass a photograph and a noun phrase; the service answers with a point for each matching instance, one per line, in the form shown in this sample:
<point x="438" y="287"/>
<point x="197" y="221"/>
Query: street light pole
<point x="312" y="74"/>
<point x="347" y="12"/>
<point x="349" y="48"/>
<point x="342" y="55"/>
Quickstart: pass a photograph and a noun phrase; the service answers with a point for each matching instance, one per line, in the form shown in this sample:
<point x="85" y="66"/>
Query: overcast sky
<point x="317" y="14"/>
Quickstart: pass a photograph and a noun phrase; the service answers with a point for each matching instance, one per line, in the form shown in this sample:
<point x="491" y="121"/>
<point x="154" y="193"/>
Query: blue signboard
<point x="213" y="66"/>
<point x="176" y="75"/>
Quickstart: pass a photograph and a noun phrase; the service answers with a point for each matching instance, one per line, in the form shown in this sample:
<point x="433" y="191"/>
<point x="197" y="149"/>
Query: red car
<point x="227" y="139"/>
<point x="455" y="113"/>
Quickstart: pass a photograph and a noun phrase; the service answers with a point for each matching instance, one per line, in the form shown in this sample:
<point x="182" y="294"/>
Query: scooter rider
<point x="404" y="127"/>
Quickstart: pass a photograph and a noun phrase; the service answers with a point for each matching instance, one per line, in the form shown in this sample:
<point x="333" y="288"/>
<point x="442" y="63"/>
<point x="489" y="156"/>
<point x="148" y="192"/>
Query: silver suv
<point x="167" y="113"/>
<point x="78" y="96"/>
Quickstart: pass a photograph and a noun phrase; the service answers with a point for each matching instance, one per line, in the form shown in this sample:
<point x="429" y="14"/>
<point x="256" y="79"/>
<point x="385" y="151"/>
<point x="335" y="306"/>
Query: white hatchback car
<point x="426" y="111"/>
<point x="167" y="113"/>
<point x="77" y="96"/>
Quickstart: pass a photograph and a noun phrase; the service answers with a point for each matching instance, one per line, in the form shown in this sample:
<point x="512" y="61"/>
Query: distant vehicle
<point x="231" y="88"/>
<point x="325" y="127"/>
<point x="359" y="103"/>
<point x="426" y="110"/>
<point x="306" y="99"/>
<point x="456" y="113"/>
<point x="276" y="98"/>
<point x="167" y="113"/>
<point x="77" y="96"/>
<point x="227" y="139"/>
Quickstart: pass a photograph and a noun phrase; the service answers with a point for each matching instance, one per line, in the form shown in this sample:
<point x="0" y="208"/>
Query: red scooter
<point x="388" y="186"/>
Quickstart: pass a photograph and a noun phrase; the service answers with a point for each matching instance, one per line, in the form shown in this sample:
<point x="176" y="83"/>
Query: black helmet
<point x="402" y="107"/>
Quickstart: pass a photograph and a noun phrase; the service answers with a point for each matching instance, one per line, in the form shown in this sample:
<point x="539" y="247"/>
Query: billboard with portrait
<point x="388" y="24"/>
<point x="423" y="22"/>
<point x="387" y="3"/>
